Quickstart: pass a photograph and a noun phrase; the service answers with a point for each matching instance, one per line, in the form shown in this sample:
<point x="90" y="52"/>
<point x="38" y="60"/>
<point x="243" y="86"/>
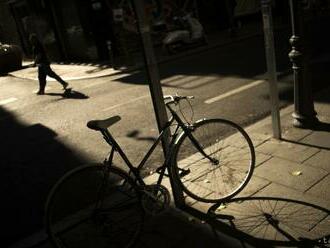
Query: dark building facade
<point x="62" y="25"/>
<point x="81" y="30"/>
<point x="70" y="29"/>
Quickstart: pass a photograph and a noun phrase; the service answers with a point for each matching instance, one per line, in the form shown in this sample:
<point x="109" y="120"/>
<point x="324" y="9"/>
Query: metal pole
<point x="155" y="86"/>
<point x="304" y="114"/>
<point x="266" y="8"/>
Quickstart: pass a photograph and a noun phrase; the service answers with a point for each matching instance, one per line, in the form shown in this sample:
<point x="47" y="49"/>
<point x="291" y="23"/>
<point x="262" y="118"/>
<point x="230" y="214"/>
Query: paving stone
<point x="259" y="138"/>
<point x="321" y="228"/>
<point x="265" y="129"/>
<point x="238" y="140"/>
<point x="282" y="191"/>
<point x="318" y="138"/>
<point x="254" y="185"/>
<point x="321" y="189"/>
<point x="320" y="160"/>
<point x="280" y="171"/>
<point x="261" y="158"/>
<point x="269" y="147"/>
<point x="295" y="134"/>
<point x="287" y="150"/>
<point x="201" y="206"/>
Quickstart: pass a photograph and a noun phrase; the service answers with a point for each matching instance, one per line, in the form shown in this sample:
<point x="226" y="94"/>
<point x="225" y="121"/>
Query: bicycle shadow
<point x="271" y="222"/>
<point x="175" y="229"/>
<point x="134" y="134"/>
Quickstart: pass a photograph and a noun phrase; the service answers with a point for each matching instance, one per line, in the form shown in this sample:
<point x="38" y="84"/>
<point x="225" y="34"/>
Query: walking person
<point x="41" y="60"/>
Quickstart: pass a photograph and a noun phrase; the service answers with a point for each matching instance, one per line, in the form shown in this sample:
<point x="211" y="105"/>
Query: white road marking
<point x="8" y="100"/>
<point x="122" y="104"/>
<point x="174" y="78"/>
<point x="235" y="91"/>
<point x="180" y="80"/>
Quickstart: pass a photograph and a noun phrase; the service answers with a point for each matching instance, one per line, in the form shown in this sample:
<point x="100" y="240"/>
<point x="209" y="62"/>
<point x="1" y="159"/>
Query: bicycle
<point x="211" y="160"/>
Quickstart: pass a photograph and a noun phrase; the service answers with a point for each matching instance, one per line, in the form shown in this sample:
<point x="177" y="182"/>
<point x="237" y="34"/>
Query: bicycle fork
<point x="189" y="130"/>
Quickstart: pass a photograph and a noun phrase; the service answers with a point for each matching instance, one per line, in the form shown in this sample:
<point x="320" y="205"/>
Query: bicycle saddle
<point x="100" y="125"/>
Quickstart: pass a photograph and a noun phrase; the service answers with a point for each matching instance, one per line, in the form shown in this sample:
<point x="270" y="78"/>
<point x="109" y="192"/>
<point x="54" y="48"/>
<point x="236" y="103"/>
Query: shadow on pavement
<point x="272" y="221"/>
<point x="173" y="229"/>
<point x="32" y="159"/>
<point x="71" y="94"/>
<point x="239" y="222"/>
<point x="306" y="144"/>
<point x="322" y="126"/>
<point x="135" y="134"/>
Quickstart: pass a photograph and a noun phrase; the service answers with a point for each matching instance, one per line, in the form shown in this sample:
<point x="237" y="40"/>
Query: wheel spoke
<point x="230" y="146"/>
<point x="81" y="214"/>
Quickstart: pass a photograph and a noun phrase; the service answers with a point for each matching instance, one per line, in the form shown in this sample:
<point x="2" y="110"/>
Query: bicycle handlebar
<point x="176" y="98"/>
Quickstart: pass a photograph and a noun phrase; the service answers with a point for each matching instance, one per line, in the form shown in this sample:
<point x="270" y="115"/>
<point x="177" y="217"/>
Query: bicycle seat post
<point x="107" y="136"/>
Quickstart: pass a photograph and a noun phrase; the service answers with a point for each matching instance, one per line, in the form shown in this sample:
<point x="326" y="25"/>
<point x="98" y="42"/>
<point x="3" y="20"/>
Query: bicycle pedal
<point x="159" y="171"/>
<point x="184" y="172"/>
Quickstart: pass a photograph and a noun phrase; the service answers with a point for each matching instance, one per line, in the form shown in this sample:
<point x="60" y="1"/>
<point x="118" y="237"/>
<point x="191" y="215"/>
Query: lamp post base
<point x="303" y="121"/>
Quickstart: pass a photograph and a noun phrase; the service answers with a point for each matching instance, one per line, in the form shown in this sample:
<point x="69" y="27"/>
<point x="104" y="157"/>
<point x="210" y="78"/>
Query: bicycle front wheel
<point x="215" y="162"/>
<point x="94" y="206"/>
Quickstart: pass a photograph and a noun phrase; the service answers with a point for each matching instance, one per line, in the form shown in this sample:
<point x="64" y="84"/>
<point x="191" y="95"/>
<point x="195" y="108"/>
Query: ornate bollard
<point x="304" y="114"/>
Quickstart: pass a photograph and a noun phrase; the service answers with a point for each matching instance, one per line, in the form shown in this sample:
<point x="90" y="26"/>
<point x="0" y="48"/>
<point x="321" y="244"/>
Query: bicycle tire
<point x="94" y="206"/>
<point x="205" y="181"/>
<point x="273" y="221"/>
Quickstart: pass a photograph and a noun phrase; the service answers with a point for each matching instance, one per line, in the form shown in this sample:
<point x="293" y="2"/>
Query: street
<point x="45" y="136"/>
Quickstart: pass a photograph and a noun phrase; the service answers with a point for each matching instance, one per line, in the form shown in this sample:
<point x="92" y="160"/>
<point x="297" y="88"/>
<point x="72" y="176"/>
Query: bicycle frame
<point x="186" y="128"/>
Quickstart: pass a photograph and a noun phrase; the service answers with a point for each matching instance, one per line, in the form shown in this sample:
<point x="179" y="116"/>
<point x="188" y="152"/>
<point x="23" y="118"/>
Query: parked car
<point x="11" y="57"/>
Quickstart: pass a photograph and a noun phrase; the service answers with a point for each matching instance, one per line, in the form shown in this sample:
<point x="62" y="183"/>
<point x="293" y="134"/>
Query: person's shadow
<point x="70" y="93"/>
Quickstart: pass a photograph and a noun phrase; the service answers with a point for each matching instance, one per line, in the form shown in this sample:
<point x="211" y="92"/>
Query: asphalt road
<point x="42" y="137"/>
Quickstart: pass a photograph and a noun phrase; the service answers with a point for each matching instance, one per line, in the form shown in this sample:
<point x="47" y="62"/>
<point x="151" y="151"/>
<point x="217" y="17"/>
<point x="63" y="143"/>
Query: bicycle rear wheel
<point x="94" y="206"/>
<point x="222" y="164"/>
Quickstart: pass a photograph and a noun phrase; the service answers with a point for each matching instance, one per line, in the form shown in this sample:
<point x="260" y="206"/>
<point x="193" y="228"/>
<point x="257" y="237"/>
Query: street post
<point x="266" y="8"/>
<point x="155" y="86"/>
